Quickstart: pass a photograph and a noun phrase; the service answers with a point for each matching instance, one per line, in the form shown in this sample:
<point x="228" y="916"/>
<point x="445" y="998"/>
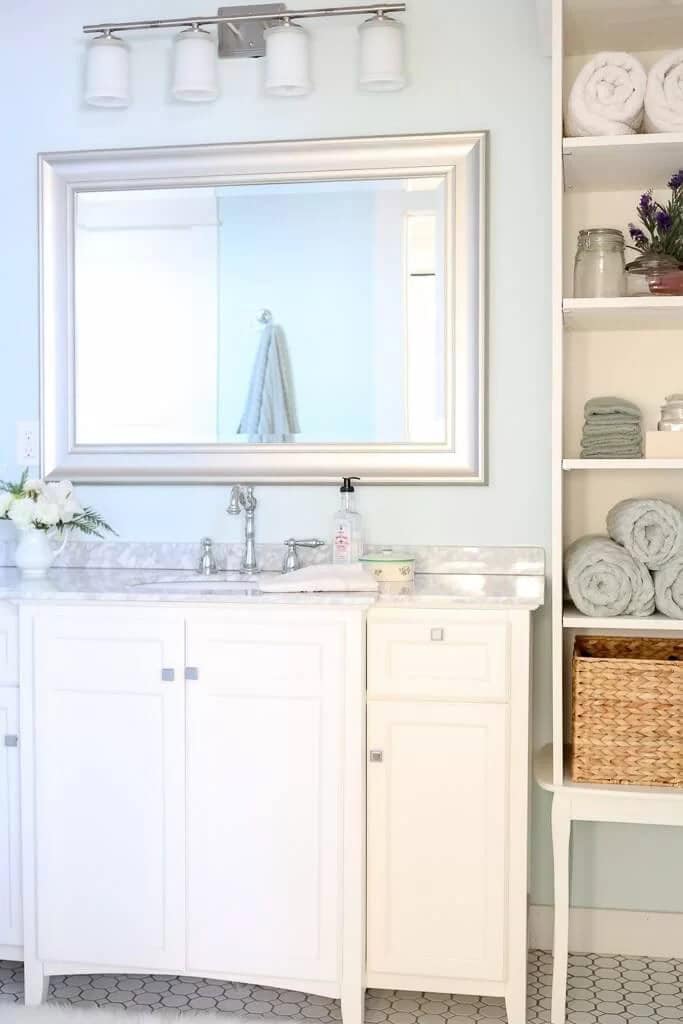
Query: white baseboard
<point x="630" y="932"/>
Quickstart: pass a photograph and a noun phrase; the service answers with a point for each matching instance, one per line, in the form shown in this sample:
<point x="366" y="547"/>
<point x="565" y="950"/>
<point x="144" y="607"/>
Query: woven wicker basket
<point x="627" y="710"/>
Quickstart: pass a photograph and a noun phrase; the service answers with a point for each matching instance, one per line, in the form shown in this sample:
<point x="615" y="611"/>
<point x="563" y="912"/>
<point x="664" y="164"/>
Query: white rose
<point x="22" y="512"/>
<point x="34" y="487"/>
<point x="59" y="492"/>
<point x="47" y="512"/>
<point x="70" y="509"/>
<point x="6" y="500"/>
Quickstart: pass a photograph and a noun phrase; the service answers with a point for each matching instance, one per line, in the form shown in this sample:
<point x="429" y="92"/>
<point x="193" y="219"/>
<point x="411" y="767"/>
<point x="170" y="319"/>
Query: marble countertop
<point x="469" y="590"/>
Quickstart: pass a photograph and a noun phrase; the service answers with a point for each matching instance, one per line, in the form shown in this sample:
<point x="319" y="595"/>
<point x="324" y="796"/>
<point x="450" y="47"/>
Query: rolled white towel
<point x="664" y="95"/>
<point x="607" y="97"/>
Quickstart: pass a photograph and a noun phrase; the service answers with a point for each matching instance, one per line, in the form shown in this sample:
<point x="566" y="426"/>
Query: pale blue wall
<point x="308" y="258"/>
<point x="473" y="66"/>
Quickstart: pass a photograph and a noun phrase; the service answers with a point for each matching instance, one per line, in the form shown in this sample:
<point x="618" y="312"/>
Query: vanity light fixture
<point x="106" y="73"/>
<point x="287" y="60"/>
<point x="195" y="71"/>
<point x="254" y="30"/>
<point x="382" y="59"/>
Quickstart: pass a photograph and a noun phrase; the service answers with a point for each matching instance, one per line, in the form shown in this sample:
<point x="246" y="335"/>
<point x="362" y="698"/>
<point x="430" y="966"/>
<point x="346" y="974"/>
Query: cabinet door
<point x="436" y="839"/>
<point x="108" y="720"/>
<point x="264" y="746"/>
<point x="10" y="825"/>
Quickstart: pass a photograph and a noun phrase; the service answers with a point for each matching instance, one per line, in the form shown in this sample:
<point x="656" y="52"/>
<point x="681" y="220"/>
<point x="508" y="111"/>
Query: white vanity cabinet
<point x="314" y="795"/>
<point x="10" y="846"/>
<point x="448" y="712"/>
<point x="186" y="775"/>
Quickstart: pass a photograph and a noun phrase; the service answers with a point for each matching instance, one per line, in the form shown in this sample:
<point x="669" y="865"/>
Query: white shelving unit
<point x="632" y="347"/>
<point x="621" y="465"/>
<point x="632" y="314"/>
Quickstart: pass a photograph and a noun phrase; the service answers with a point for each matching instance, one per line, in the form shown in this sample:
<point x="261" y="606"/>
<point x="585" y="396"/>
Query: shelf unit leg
<point x="561" y="827"/>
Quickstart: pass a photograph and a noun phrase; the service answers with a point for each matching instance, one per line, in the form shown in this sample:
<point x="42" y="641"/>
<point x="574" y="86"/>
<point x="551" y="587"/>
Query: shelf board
<point x="573" y="619"/>
<point x="543" y="771"/>
<point x="641" y="313"/>
<point x="613" y="163"/>
<point x="623" y="464"/>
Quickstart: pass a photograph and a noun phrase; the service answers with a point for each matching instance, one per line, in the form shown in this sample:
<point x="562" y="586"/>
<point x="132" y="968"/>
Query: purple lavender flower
<point x="664" y="221"/>
<point x="638" y="236"/>
<point x="645" y="204"/>
<point x="676" y="181"/>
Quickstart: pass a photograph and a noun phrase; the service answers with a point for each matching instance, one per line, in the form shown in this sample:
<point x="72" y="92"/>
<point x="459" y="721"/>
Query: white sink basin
<point x="221" y="583"/>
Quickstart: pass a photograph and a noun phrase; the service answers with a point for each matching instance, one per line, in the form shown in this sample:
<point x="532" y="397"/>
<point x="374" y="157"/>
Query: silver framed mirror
<point x="268" y="312"/>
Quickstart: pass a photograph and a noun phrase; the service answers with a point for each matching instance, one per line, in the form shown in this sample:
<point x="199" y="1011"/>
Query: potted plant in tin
<point x="41" y="513"/>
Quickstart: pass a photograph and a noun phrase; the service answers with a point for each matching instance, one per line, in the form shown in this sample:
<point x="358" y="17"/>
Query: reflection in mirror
<point x="172" y="344"/>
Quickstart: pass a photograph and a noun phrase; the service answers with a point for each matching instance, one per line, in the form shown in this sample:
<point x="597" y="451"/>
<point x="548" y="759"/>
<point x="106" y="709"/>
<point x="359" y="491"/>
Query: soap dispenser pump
<point x="347" y="540"/>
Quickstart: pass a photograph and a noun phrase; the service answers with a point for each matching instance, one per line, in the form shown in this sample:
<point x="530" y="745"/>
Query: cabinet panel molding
<point x="11" y="932"/>
<point x="439" y="655"/>
<point x="109" y="740"/>
<point x="437" y="844"/>
<point x="9" y="642"/>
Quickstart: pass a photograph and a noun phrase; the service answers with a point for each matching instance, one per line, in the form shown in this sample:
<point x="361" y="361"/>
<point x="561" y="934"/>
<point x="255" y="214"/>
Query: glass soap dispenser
<point x="347" y="538"/>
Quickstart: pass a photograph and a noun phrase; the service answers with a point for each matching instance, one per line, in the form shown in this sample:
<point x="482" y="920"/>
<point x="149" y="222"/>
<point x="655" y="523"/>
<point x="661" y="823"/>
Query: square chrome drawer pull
<point x="192" y="674"/>
<point x="11" y="741"/>
<point x="168" y="675"/>
<point x="437" y="634"/>
<point x="376" y="756"/>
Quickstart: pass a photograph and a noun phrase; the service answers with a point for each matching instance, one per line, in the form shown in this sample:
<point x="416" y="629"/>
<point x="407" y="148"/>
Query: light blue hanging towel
<point x="270" y="414"/>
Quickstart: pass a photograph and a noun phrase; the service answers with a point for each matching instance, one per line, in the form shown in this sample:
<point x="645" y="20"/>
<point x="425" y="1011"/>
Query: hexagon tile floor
<point x="602" y="990"/>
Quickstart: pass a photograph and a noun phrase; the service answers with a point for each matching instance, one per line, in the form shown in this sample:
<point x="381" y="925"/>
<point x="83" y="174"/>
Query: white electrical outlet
<point x="27" y="442"/>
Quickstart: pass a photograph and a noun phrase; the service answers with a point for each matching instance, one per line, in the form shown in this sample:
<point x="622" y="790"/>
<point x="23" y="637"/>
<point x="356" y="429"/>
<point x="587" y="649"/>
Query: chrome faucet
<point x="243" y="498"/>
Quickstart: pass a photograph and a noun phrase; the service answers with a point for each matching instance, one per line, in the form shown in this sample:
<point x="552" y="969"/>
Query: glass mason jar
<point x="599" y="268"/>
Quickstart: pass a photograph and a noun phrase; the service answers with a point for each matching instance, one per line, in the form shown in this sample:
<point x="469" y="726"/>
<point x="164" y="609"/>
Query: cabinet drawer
<point x="439" y="655"/>
<point x="9" y="641"/>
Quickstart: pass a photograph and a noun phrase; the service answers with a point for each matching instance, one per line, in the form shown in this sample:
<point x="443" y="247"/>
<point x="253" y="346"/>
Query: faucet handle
<point x="207" y="561"/>
<point x="292" y="561"/>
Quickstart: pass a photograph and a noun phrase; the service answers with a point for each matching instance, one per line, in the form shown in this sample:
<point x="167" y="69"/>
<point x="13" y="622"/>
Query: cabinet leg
<point x="515" y="1003"/>
<point x="353" y="1005"/>
<point x="36" y="984"/>
<point x="561" y="825"/>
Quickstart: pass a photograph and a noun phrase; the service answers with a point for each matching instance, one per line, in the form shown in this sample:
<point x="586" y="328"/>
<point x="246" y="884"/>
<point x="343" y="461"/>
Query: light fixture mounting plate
<point x="252" y="43"/>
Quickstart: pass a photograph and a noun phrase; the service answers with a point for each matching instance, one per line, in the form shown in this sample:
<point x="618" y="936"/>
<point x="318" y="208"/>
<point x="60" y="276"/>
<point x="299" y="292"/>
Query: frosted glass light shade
<point x="106" y="73"/>
<point x="382" y="55"/>
<point x="288" y="65"/>
<point x="195" y="70"/>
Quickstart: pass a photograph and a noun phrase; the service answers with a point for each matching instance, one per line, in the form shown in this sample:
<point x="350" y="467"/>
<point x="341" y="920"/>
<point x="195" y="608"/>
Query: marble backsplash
<point x="78" y="554"/>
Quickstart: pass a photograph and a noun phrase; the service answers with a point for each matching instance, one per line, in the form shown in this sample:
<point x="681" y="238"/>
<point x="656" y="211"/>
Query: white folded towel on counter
<point x="608" y="97"/>
<point x="664" y="96"/>
<point x="313" y="579"/>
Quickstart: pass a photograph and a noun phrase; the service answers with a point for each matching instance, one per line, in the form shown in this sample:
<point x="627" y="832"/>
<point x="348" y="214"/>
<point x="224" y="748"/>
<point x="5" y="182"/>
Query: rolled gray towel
<point x="604" y="580"/>
<point x="649" y="529"/>
<point x="669" y="589"/>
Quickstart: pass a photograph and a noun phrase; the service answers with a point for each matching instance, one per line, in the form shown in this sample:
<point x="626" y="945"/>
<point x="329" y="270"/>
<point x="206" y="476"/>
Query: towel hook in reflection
<point x="265" y="316"/>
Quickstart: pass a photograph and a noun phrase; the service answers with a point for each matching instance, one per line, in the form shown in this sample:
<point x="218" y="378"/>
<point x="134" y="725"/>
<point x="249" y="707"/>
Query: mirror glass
<point x="286" y="313"/>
